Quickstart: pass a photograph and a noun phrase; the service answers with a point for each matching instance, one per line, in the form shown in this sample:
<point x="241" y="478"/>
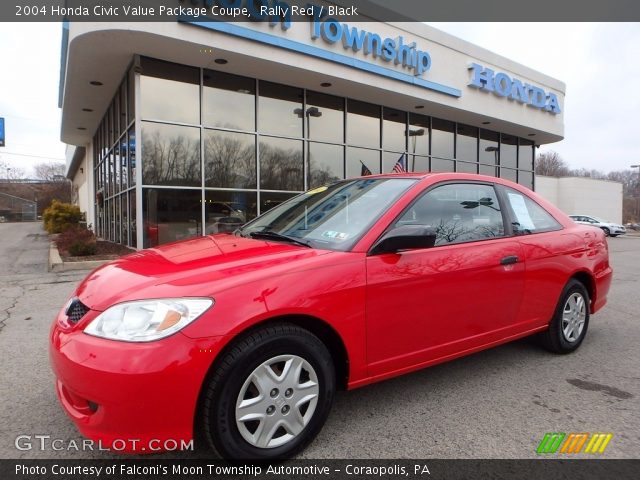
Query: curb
<point x="56" y="264"/>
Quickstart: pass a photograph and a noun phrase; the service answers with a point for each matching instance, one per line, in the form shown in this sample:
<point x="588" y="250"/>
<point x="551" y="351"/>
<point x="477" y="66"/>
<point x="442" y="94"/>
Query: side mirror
<point x="405" y="237"/>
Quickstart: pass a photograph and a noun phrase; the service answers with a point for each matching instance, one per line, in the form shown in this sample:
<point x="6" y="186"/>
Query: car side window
<point x="529" y="217"/>
<point x="462" y="212"/>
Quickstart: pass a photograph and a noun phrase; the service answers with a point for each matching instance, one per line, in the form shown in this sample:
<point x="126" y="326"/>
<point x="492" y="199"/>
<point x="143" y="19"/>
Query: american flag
<point x="364" y="170"/>
<point x="401" y="165"/>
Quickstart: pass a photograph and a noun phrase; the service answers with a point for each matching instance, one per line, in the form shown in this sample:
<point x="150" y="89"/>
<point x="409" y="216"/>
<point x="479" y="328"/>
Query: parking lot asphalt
<point x="494" y="404"/>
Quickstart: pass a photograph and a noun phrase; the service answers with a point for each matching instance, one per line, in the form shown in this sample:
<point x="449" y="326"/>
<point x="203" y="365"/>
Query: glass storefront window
<point x="442" y="138"/>
<point x="169" y="92"/>
<point x="508" y="151"/>
<point x="228" y="101"/>
<point x="170" y="155"/>
<point x="466" y="143"/>
<point x="526" y="179"/>
<point x="489" y="148"/>
<point x="394" y="130"/>
<point x="268" y="200"/>
<point x="466" y="167"/>
<point x="418" y="163"/>
<point x="363" y="124"/>
<point x="132" y="218"/>
<point x="226" y="210"/>
<point x="389" y="160"/>
<point x="171" y="215"/>
<point x="280" y="110"/>
<point x="229" y="159"/>
<point x="508" y="174"/>
<point x="324" y="117"/>
<point x="326" y="163"/>
<point x="131" y="152"/>
<point x="441" y="165"/>
<point x="525" y="154"/>
<point x="281" y="164"/>
<point x="359" y="158"/>
<point x="419" y="134"/>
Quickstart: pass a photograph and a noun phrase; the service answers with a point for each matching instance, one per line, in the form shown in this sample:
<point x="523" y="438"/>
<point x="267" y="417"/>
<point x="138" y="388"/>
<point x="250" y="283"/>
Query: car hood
<point x="191" y="268"/>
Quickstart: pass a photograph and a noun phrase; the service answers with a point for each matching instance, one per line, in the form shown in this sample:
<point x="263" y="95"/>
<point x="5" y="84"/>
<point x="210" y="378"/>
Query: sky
<point x="597" y="61"/>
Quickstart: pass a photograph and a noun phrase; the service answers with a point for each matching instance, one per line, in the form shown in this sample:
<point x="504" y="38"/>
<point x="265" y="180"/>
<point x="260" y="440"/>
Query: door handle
<point x="510" y="260"/>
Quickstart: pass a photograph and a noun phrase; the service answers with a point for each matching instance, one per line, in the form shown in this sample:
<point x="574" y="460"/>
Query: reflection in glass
<point x="358" y="158"/>
<point x="419" y="134"/>
<point x="525" y="154"/>
<point x="229" y="159"/>
<point x="418" y="164"/>
<point x="228" y="101"/>
<point x="326" y="163"/>
<point x="132" y="218"/>
<point x="466" y="167"/>
<point x="268" y="200"/>
<point x="489" y="148"/>
<point x="170" y="92"/>
<point x="171" y="215"/>
<point x="526" y="179"/>
<point x="442" y="138"/>
<point x="170" y="155"/>
<point x="508" y="173"/>
<point x="325" y="117"/>
<point x="132" y="156"/>
<point x="363" y="124"/>
<point x="227" y="210"/>
<point x="277" y="110"/>
<point x="281" y="165"/>
<point x="467" y="143"/>
<point x="394" y="129"/>
<point x="389" y="160"/>
<point x="441" y="165"/>
<point x="488" y="170"/>
<point x="508" y="151"/>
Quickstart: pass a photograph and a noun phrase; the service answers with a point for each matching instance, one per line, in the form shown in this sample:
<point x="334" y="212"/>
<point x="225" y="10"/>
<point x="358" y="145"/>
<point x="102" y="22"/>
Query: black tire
<point x="613" y="236"/>
<point x="554" y="339"/>
<point x="233" y="371"/>
<point x="606" y="231"/>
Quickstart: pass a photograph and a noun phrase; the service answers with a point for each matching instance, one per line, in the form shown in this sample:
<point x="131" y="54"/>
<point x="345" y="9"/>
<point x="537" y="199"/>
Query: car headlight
<point x="147" y="320"/>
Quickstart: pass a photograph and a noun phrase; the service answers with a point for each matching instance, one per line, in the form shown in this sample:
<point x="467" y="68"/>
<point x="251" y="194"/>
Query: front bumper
<point x="130" y="397"/>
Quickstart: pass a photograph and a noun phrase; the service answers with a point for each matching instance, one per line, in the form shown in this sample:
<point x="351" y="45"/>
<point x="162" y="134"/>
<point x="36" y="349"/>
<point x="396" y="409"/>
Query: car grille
<point x="76" y="310"/>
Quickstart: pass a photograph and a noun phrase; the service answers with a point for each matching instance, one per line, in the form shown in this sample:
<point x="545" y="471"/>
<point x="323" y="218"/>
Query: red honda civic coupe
<point x="244" y="337"/>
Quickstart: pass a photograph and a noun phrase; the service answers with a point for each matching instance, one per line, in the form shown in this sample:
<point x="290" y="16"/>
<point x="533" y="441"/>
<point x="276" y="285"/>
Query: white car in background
<point x="609" y="229"/>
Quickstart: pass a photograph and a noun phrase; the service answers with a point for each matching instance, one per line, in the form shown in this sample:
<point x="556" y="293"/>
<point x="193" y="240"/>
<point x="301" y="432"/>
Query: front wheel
<point x="606" y="231"/>
<point x="270" y="395"/>
<point x="570" y="320"/>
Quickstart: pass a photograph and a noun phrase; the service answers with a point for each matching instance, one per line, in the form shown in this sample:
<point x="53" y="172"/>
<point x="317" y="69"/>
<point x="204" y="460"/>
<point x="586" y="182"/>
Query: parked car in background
<point x="243" y="338"/>
<point x="610" y="229"/>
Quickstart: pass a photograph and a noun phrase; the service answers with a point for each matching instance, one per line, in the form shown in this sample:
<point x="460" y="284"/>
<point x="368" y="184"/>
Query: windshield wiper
<point x="271" y="235"/>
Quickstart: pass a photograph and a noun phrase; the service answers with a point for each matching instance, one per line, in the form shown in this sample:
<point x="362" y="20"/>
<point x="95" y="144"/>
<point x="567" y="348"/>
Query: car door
<point x="427" y="304"/>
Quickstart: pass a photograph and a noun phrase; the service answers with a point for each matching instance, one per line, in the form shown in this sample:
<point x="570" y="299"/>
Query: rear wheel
<point x="270" y="395"/>
<point x="570" y="320"/>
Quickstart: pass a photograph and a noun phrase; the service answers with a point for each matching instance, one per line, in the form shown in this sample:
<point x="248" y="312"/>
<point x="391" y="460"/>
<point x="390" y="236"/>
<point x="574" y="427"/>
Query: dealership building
<point x="178" y="129"/>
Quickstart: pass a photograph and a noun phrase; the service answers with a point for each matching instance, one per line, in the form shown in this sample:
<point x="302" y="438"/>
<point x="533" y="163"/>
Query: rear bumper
<point x="603" y="284"/>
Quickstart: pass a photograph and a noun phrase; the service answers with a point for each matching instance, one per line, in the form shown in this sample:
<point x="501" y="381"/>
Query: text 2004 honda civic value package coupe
<point x="245" y="337"/>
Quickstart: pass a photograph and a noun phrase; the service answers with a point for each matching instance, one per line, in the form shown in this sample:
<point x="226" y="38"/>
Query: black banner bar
<point x="341" y="10"/>
<point x="583" y="469"/>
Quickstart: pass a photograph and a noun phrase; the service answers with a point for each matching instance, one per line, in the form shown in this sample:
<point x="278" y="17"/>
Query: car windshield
<point x="333" y="217"/>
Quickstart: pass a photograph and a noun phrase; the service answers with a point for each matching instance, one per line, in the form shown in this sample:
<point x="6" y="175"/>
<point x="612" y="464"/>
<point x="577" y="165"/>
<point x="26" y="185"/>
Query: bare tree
<point x="551" y="164"/>
<point x="9" y="172"/>
<point x="49" y="171"/>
